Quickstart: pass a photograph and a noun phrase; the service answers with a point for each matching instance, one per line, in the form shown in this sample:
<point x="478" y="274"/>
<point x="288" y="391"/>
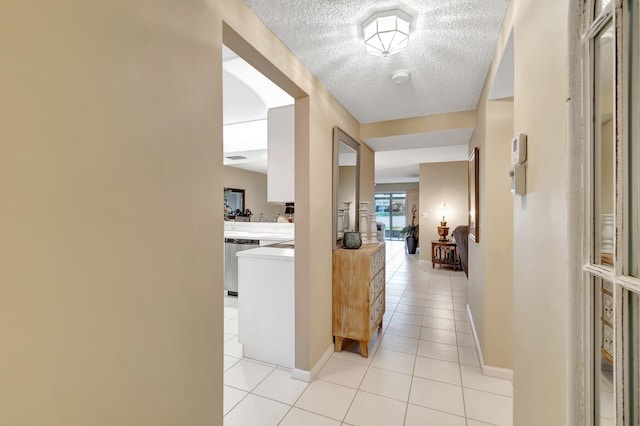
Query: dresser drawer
<point x="376" y="286"/>
<point x="376" y="310"/>
<point x="377" y="262"/>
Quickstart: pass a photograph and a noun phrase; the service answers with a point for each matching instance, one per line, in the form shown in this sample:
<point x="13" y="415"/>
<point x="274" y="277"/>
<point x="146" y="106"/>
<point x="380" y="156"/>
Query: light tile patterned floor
<point x="422" y="368"/>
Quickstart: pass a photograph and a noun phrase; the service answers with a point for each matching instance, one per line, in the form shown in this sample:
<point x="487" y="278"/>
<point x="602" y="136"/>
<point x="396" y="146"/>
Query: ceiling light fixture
<point x="386" y="32"/>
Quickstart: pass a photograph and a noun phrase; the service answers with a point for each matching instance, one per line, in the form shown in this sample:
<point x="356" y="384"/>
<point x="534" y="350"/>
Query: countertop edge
<point x="282" y="254"/>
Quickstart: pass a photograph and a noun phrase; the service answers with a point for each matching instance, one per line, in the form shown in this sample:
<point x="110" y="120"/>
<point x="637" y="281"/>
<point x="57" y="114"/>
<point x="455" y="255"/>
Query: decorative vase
<point x="340" y="225"/>
<point x="351" y="240"/>
<point x="412" y="245"/>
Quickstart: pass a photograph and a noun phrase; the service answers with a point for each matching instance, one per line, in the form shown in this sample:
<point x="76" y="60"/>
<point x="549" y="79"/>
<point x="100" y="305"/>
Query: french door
<point x="612" y="256"/>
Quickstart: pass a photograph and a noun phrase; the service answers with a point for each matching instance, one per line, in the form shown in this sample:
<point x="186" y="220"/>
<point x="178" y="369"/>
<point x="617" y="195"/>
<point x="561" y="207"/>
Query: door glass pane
<point x="398" y="212"/>
<point x="601" y="5"/>
<point x="383" y="206"/>
<point x="633" y="266"/>
<point x="632" y="370"/>
<point x="604" y="147"/>
<point x="603" y="331"/>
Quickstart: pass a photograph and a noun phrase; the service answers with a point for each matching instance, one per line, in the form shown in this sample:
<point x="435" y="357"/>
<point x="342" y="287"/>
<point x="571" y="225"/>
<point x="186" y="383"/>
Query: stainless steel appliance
<point x="231" y="247"/>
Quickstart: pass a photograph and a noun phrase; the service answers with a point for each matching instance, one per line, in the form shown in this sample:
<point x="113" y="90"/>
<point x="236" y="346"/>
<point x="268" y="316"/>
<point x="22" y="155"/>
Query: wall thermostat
<point x="518" y="179"/>
<point x="519" y="150"/>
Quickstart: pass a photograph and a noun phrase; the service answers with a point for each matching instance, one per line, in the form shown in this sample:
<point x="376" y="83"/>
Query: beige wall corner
<point x="111" y="263"/>
<point x="441" y="183"/>
<point x="491" y="259"/>
<point x="497" y="223"/>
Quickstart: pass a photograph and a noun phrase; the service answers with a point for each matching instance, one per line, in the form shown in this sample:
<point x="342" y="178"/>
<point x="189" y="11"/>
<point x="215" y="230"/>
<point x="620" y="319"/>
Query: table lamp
<point x="443" y="230"/>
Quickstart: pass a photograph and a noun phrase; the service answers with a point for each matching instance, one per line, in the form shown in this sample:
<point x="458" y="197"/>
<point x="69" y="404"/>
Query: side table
<point x="445" y="254"/>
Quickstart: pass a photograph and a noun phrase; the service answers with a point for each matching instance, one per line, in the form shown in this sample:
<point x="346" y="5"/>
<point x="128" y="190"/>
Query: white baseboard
<point x="308" y="376"/>
<point x="497" y="372"/>
<point x="487" y="370"/>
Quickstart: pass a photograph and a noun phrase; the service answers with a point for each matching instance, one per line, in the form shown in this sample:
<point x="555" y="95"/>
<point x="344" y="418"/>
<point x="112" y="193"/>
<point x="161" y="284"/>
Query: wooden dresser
<point x="358" y="294"/>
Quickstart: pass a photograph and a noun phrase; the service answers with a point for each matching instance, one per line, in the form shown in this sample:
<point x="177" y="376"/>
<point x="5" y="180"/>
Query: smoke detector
<point x="400" y="76"/>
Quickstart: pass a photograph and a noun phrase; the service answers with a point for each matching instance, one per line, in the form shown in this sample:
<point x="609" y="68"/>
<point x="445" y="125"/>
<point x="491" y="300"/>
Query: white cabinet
<point x="281" y="154"/>
<point x="266" y="305"/>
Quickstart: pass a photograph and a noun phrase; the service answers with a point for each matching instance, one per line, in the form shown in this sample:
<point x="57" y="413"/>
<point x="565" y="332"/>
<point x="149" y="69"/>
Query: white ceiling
<point x="247" y="95"/>
<point x="450" y="49"/>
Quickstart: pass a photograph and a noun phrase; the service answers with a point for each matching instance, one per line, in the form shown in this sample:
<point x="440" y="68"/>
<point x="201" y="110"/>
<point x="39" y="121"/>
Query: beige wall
<point x="111" y="270"/>
<point x="540" y="268"/>
<point x="255" y="186"/>
<point x="441" y="183"/>
<point x="367" y="176"/>
<point x="110" y="256"/>
<point x="397" y="187"/>
<point x="491" y="258"/>
<point x="413" y="199"/>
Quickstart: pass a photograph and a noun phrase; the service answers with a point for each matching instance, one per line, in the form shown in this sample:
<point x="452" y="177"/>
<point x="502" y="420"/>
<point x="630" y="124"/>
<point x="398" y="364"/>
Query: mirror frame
<point x="340" y="136"/>
<point x="474" y="195"/>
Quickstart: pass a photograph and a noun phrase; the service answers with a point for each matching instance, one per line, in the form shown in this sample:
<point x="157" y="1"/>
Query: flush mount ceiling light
<point x="386" y="32"/>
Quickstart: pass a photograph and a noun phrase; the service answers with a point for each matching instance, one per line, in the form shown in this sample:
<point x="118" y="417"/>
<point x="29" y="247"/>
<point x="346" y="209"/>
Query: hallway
<point x="422" y="369"/>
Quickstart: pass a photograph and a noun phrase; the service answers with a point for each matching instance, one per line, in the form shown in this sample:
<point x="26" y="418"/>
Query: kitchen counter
<point x="266" y="233"/>
<point x="258" y="236"/>
<point x="275" y="253"/>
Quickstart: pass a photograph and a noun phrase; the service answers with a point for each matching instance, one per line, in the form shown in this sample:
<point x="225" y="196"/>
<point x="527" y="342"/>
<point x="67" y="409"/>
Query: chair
<point x="461" y="235"/>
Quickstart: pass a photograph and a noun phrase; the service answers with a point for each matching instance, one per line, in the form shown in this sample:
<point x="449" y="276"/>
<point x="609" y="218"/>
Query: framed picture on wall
<point x="474" y="198"/>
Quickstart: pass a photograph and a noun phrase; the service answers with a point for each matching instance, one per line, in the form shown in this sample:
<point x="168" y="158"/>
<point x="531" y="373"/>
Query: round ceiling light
<point x="400" y="76"/>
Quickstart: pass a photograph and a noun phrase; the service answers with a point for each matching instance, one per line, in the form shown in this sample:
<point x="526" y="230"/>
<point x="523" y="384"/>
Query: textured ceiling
<point x="451" y="46"/>
<point x="450" y="49"/>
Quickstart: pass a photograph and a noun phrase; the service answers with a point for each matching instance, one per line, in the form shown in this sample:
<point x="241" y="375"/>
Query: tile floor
<point x="422" y="368"/>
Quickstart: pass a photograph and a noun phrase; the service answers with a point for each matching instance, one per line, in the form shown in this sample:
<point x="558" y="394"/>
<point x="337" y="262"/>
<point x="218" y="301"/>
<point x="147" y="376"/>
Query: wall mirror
<point x="346" y="184"/>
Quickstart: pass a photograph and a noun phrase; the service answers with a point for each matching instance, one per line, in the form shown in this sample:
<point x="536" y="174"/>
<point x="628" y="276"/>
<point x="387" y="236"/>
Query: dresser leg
<point x="364" y="349"/>
<point x="338" y="344"/>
